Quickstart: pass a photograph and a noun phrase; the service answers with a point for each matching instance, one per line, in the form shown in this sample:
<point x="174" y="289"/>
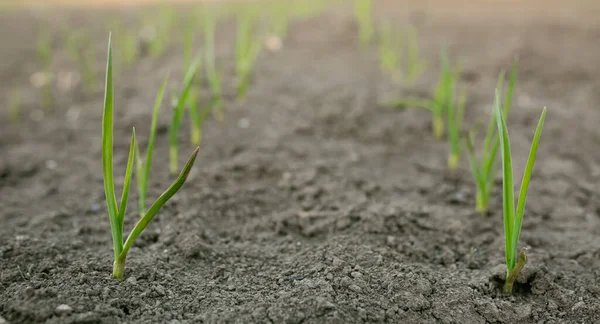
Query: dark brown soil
<point x="327" y="208"/>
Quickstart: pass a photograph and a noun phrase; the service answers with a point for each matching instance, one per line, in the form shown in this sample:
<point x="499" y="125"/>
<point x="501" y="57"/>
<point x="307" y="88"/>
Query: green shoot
<point x="117" y="212"/>
<point x="439" y="104"/>
<point x="197" y="117"/>
<point x="455" y="112"/>
<point x="363" y="13"/>
<point x="129" y="45"/>
<point x="279" y="19"/>
<point x="483" y="169"/>
<point x="164" y="30"/>
<point x="178" y="115"/>
<point x="213" y="75"/>
<point x="45" y="56"/>
<point x="514" y="218"/>
<point x="247" y="50"/>
<point x="82" y="53"/>
<point x="14" y="105"/>
<point x="389" y="51"/>
<point x="415" y="65"/>
<point x="143" y="167"/>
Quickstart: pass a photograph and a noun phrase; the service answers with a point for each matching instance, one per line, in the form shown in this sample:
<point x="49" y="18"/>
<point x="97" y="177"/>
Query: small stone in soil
<point x="63" y="309"/>
<point x="3" y="321"/>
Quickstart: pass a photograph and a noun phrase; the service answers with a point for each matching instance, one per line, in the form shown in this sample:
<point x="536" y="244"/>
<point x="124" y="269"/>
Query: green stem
<point x="480" y="204"/>
<point x="512" y="275"/>
<point x="195" y="135"/>
<point x="119" y="268"/>
<point x="453" y="160"/>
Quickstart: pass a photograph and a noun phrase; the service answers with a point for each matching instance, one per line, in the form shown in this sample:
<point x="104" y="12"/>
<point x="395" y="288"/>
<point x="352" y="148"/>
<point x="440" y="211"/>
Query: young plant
<point x="439" y="104"/>
<point x="279" y="19"/>
<point x="455" y="115"/>
<point x="247" y="50"/>
<point x="513" y="218"/>
<point x="117" y="212"/>
<point x="483" y="169"/>
<point x="83" y="55"/>
<point x="178" y="115"/>
<point x="143" y="167"/>
<point x="415" y="65"/>
<point x="363" y="13"/>
<point x="45" y="56"/>
<point x="213" y="75"/>
<point x="389" y="51"/>
<point x="197" y="117"/>
<point x="163" y="26"/>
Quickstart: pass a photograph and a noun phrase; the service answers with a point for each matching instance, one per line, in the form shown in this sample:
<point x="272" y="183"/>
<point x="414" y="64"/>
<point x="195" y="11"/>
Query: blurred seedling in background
<point x="399" y="53"/>
<point x="212" y="74"/>
<point x="143" y="166"/>
<point x="415" y="65"/>
<point x="279" y="18"/>
<point x="363" y="13"/>
<point x="390" y="51"/>
<point x="159" y="28"/>
<point x="128" y="44"/>
<point x="483" y="169"/>
<point x="438" y="106"/>
<point x="513" y="218"/>
<point x="178" y="115"/>
<point x="117" y="212"/>
<point x="247" y="50"/>
<point x="198" y="116"/>
<point x="82" y="53"/>
<point x="454" y="120"/>
<point x="44" y="79"/>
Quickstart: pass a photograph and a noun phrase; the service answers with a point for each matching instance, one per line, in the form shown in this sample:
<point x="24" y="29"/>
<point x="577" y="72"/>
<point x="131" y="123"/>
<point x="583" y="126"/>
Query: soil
<point x="310" y="203"/>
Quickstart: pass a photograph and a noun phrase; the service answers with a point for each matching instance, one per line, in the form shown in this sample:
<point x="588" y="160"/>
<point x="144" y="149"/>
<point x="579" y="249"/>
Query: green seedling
<point x="279" y="19"/>
<point x="117" y="212"/>
<point x="514" y="218"/>
<point x="163" y="25"/>
<point x="74" y="45"/>
<point x="45" y="57"/>
<point x="14" y="105"/>
<point x="363" y="13"/>
<point x="129" y="45"/>
<point x="212" y="74"/>
<point x="483" y="169"/>
<point x="455" y="115"/>
<point x="415" y="65"/>
<point x="178" y="115"/>
<point x="143" y="167"/>
<point x="82" y="53"/>
<point x="197" y="116"/>
<point x="247" y="50"/>
<point x="439" y="104"/>
<point x="389" y="51"/>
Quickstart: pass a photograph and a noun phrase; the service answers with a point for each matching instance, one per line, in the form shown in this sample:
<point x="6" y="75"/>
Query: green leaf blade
<point x="527" y="177"/>
<point x="127" y="183"/>
<point x="157" y="205"/>
<point x="508" y="195"/>
<point x="107" y="155"/>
